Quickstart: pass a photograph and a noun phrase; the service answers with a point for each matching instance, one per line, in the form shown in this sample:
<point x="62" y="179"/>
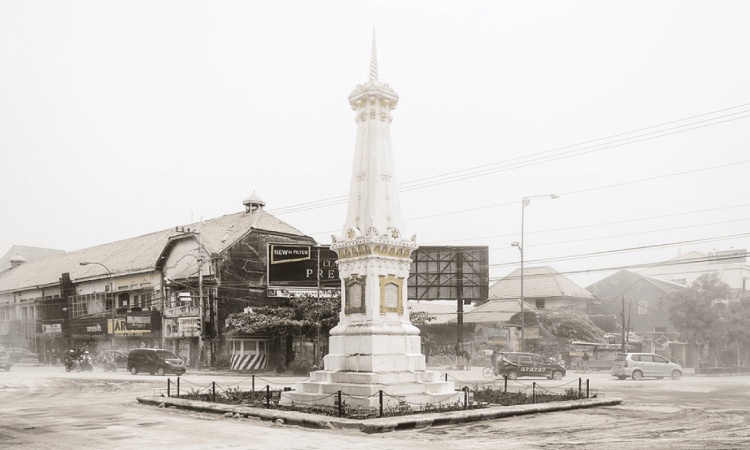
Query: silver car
<point x="639" y="365"/>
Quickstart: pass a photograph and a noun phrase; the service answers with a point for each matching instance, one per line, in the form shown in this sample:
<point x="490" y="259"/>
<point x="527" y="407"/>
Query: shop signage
<point x="188" y="327"/>
<point x="302" y="266"/>
<point x="181" y="311"/>
<point x="138" y="322"/>
<point x="121" y="328"/>
<point x="51" y="328"/>
<point x="93" y="327"/>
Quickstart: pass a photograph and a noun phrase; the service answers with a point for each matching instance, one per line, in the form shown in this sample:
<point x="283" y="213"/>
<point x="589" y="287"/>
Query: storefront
<point x="137" y="329"/>
<point x="89" y="334"/>
<point x="182" y="332"/>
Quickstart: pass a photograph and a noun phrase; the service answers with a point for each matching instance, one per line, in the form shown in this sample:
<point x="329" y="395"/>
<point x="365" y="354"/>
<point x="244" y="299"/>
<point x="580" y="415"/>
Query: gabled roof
<point x="538" y="282"/>
<point x="618" y="283"/>
<point x="138" y="254"/>
<point x="494" y="311"/>
<point x="27" y="253"/>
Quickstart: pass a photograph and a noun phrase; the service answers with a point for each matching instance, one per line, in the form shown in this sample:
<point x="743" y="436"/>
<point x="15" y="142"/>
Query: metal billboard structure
<point x="449" y="273"/>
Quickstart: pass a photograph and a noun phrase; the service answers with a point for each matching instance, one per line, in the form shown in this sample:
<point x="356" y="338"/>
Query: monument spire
<point x="374" y="60"/>
<point x="373" y="195"/>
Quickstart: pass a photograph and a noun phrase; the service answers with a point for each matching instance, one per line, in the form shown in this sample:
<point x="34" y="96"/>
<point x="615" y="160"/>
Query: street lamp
<point x="526" y="201"/>
<point x="111" y="289"/>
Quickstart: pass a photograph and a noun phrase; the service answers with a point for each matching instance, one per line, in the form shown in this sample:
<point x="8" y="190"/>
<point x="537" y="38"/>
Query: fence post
<point x="446" y="376"/>
<point x="579" y="388"/>
<point x="505" y="377"/>
<point x="533" y="392"/>
<point x="341" y="405"/>
<point x="268" y="396"/>
<point x="213" y="391"/>
<point x="466" y="397"/>
<point x="178" y="386"/>
<point x="253" y="386"/>
<point x="587" y="388"/>
<point x="168" y="386"/>
<point x="381" y="403"/>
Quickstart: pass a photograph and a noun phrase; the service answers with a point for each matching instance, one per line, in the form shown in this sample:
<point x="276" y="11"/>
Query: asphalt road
<point x="45" y="407"/>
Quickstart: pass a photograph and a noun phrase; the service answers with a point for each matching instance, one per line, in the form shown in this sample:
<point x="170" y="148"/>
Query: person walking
<point x="585" y="361"/>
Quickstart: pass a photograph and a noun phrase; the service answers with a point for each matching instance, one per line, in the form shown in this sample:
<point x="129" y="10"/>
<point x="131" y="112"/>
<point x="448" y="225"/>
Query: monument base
<point x="361" y="390"/>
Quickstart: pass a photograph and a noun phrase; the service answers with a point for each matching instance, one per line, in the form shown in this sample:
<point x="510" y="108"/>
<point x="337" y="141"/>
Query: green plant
<point x="301" y="366"/>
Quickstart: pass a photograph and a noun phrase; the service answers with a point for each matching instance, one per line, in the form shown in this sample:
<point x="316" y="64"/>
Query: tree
<point x="700" y="315"/>
<point x="304" y="314"/>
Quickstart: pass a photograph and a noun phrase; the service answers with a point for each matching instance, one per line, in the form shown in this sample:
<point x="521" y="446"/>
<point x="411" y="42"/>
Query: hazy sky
<point x="118" y="119"/>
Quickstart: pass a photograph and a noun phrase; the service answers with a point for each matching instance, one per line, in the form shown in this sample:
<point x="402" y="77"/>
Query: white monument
<point x="375" y="346"/>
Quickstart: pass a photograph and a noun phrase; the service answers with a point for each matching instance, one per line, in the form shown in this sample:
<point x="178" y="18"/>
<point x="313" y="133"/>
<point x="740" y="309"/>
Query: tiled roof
<point x="538" y="282"/>
<point x="27" y="253"/>
<point x="139" y="253"/>
<point x="494" y="311"/>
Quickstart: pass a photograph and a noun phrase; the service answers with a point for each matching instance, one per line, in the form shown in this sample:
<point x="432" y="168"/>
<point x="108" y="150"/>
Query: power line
<point x="567" y="194"/>
<point x="601" y="224"/>
<point x="623" y="250"/>
<point x="536" y="158"/>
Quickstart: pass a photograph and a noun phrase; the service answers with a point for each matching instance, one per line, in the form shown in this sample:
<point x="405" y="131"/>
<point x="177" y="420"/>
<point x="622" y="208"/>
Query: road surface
<point x="45" y="407"/>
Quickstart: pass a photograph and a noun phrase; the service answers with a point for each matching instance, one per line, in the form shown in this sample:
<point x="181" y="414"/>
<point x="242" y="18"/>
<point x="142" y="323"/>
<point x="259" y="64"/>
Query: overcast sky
<point x="118" y="119"/>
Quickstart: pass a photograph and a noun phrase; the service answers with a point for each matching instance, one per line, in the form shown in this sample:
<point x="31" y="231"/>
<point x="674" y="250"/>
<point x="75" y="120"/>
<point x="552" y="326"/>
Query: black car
<point x="517" y="364"/>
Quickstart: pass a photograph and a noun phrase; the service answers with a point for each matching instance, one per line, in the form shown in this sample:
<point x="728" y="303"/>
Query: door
<point x="647" y="366"/>
<point x="151" y="362"/>
<point x="661" y="366"/>
<point x="526" y="368"/>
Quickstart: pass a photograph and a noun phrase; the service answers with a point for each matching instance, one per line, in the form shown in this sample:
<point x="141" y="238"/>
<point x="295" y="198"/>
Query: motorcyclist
<point x="70" y="359"/>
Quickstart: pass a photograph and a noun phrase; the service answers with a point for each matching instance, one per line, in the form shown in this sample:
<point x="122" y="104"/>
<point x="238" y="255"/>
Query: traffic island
<point x="379" y="425"/>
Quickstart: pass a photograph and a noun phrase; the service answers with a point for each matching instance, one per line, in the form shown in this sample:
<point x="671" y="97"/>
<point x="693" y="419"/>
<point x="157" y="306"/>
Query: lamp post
<point x="526" y="201"/>
<point x="111" y="289"/>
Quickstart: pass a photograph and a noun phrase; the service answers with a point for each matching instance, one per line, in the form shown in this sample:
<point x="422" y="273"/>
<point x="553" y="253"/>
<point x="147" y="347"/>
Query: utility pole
<point x="201" y="313"/>
<point x="622" y="318"/>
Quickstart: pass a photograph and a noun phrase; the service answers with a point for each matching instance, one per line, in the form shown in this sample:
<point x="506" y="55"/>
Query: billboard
<point x="302" y="266"/>
<point x="449" y="273"/>
<point x="437" y="273"/>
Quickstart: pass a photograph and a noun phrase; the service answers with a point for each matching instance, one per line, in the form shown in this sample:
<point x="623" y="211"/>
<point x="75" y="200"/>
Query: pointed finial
<point x="374" y="59"/>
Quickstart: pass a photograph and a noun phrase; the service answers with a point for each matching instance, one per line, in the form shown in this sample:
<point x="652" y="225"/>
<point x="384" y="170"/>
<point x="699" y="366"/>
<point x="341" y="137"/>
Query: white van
<point x="639" y="365"/>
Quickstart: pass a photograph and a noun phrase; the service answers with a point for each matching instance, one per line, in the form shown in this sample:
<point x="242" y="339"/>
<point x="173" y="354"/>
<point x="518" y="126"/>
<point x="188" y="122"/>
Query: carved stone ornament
<point x="372" y="231"/>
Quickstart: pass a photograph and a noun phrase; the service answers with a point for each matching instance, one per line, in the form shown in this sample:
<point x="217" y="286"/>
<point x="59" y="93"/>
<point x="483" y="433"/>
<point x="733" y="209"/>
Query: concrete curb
<point x="382" y="425"/>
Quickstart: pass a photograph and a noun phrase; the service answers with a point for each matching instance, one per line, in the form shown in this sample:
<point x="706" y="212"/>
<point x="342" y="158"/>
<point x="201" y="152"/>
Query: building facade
<point x="169" y="289"/>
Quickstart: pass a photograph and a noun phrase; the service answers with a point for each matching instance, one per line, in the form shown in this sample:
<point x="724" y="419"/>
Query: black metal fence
<point x="471" y="395"/>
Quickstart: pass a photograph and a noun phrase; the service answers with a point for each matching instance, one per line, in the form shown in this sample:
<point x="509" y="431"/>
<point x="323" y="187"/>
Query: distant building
<point x="543" y="288"/>
<point x="731" y="265"/>
<point x="641" y="299"/>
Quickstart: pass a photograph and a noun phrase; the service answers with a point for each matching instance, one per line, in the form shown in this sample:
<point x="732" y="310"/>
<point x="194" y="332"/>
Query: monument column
<point x="375" y="346"/>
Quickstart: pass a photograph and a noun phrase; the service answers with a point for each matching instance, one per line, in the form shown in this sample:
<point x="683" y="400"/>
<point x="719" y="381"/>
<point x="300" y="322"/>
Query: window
<point x="642" y="307"/>
<point x="540" y="303"/>
<point x="660" y="359"/>
<point x="647" y="358"/>
<point x="524" y="359"/>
